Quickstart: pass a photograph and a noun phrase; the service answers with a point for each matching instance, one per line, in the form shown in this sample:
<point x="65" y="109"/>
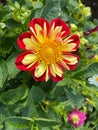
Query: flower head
<point x="77" y="118"/>
<point x="48" y="49"/>
<point x="94" y="80"/>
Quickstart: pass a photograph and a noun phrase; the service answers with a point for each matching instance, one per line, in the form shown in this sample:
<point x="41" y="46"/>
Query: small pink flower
<point x="77" y="118"/>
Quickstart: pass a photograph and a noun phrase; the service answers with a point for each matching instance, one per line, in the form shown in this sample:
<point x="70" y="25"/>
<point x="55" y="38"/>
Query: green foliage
<point x="29" y="105"/>
<point x="12" y="70"/>
<point x="13" y="96"/>
<point x="3" y="72"/>
<point x="37" y="94"/>
<point x="51" y="9"/>
<point x="18" y="123"/>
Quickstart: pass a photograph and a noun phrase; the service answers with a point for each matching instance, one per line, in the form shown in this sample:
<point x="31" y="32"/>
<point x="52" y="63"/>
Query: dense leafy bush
<point x="29" y="105"/>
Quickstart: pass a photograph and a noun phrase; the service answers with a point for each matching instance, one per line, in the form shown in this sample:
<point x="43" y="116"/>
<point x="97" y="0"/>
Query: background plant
<point x="29" y="105"/>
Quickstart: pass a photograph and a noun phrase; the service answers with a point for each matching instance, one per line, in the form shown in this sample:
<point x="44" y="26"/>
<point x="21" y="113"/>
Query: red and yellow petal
<point x="45" y="73"/>
<point x="72" y="67"/>
<point x="55" y="69"/>
<point x="69" y="61"/>
<point x="40" y="70"/>
<point x="26" y="61"/>
<point x="20" y="40"/>
<point x="56" y="72"/>
<point x="44" y="77"/>
<point x="71" y="43"/>
<point x="39" y="28"/>
<point x="57" y="78"/>
<point x="75" y="39"/>
<point x="58" y="28"/>
<point x="31" y="44"/>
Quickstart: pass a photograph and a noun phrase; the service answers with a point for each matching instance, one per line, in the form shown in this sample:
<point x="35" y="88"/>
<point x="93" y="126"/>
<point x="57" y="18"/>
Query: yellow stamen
<point x="96" y="79"/>
<point x="75" y="119"/>
<point x="50" y="52"/>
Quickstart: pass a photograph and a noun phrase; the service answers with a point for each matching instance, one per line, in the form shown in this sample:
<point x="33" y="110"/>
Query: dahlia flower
<point x="77" y="118"/>
<point x="48" y="49"/>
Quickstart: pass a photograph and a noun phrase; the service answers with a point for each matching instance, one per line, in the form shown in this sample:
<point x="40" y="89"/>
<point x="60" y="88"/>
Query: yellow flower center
<point x="49" y="52"/>
<point x="96" y="79"/>
<point x="75" y="119"/>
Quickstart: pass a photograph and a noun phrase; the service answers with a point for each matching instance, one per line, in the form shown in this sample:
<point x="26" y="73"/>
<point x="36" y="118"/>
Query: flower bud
<point x="84" y="41"/>
<point x="73" y="27"/>
<point x="86" y="11"/>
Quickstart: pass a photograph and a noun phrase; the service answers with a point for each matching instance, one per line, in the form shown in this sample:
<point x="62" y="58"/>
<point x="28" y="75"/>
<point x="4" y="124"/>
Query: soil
<point x="3" y="1"/>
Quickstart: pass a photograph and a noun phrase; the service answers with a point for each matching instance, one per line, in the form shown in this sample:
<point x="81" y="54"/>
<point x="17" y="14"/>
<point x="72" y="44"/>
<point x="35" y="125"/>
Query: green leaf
<point x="28" y="3"/>
<point x="32" y="111"/>
<point x="47" y="122"/>
<point x="32" y="98"/>
<point x="37" y="4"/>
<point x="64" y="16"/>
<point x="73" y="3"/>
<point x="18" y="123"/>
<point x="91" y="70"/>
<point x="1" y="33"/>
<point x="3" y="72"/>
<point x="12" y="69"/>
<point x="64" y="128"/>
<point x="63" y="82"/>
<point x="84" y="128"/>
<point x="17" y="5"/>
<point x="12" y="96"/>
<point x="51" y="10"/>
<point x="75" y="99"/>
<point x="12" y="24"/>
<point x="37" y="13"/>
<point x="37" y="94"/>
<point x="58" y="91"/>
<point x="46" y="128"/>
<point x="87" y="71"/>
<point x="2" y="117"/>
